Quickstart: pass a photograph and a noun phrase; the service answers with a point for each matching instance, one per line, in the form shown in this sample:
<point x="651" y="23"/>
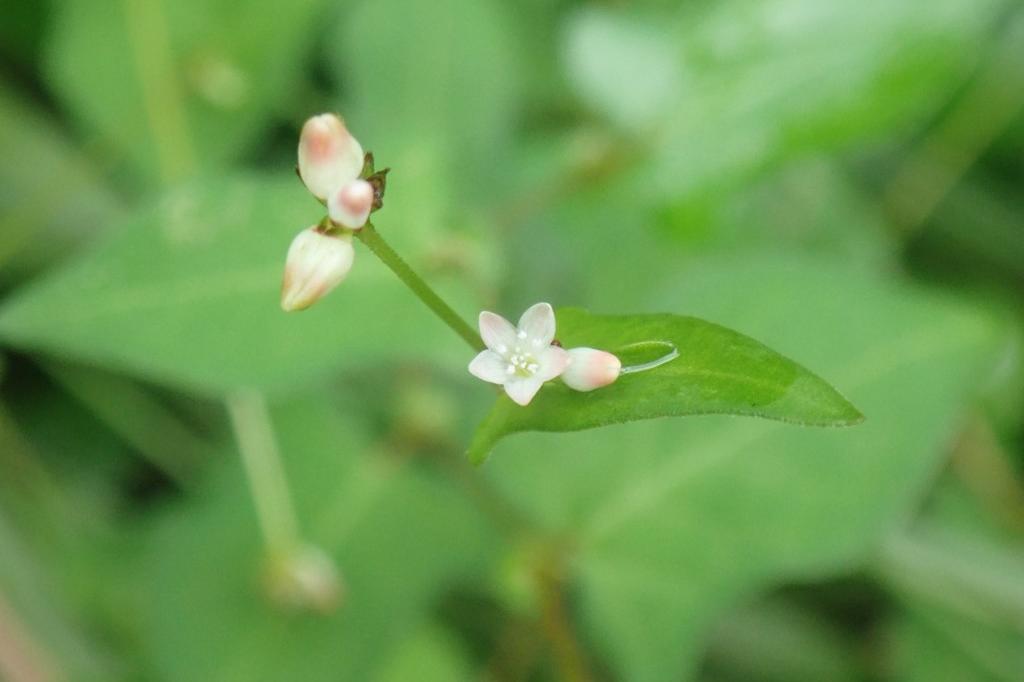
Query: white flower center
<point x="521" y="362"/>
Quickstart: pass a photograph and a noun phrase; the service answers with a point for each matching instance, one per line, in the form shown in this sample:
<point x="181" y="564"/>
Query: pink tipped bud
<point x="349" y="206"/>
<point x="316" y="263"/>
<point x="589" y="369"/>
<point x="329" y="156"/>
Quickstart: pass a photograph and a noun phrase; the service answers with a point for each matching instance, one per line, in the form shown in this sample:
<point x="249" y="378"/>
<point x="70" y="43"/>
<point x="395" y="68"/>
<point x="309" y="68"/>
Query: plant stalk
<point x="557" y="626"/>
<point x="369" y="236"/>
<point x="263" y="469"/>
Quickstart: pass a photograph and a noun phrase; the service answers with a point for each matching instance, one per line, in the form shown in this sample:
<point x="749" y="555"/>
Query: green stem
<point x="557" y="626"/>
<point x="263" y="469"/>
<point x="383" y="250"/>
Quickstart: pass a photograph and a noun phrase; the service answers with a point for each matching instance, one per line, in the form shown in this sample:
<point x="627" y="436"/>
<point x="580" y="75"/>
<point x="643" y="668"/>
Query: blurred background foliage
<point x="841" y="179"/>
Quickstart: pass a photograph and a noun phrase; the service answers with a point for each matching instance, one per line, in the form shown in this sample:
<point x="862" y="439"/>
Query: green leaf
<point x="428" y="77"/>
<point x="29" y="578"/>
<point x="430" y="656"/>
<point x="137" y="417"/>
<point x="828" y="75"/>
<point x="741" y="88"/>
<point x="963" y="603"/>
<point x="37" y="163"/>
<point x="172" y="86"/>
<point x="775" y="639"/>
<point x="432" y="89"/>
<point x="22" y="32"/>
<point x="718" y="371"/>
<point x="933" y="646"/>
<point x="673" y="521"/>
<point x="629" y="69"/>
<point x="398" y="537"/>
<point x="187" y="292"/>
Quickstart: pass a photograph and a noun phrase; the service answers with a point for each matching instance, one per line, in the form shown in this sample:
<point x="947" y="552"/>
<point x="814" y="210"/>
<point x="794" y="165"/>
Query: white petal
<point x="522" y="389"/>
<point x="350" y="205"/>
<point x="490" y="367"/>
<point x="315" y="264"/>
<point x="329" y="156"/>
<point x="498" y="333"/>
<point x="590" y="368"/>
<point x="553" y="361"/>
<point x="539" y="324"/>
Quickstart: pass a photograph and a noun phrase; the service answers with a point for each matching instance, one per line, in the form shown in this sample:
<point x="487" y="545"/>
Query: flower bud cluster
<point x="330" y="164"/>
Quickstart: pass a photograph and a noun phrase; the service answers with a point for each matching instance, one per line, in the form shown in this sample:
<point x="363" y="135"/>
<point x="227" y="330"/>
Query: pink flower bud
<point x="329" y="156"/>
<point x="316" y="263"/>
<point x="349" y="206"/>
<point x="590" y="368"/>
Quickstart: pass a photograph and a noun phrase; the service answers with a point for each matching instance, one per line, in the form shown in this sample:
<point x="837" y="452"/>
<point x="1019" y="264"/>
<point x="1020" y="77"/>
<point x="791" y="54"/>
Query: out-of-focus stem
<point x="161" y="91"/>
<point x="558" y="630"/>
<point x="21" y="659"/>
<point x="254" y="432"/>
<point x="991" y="104"/>
<point x="369" y="236"/>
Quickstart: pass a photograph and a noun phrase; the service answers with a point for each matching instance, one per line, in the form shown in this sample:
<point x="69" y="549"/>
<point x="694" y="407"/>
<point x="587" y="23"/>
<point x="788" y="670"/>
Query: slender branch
<point x="369" y="236"/>
<point x="986" y="469"/>
<point x="558" y="629"/>
<point x="489" y="500"/>
<point x="516" y="651"/>
<point x="21" y="657"/>
<point x="547" y="576"/>
<point x="989" y="106"/>
<point x="263" y="470"/>
<point x="161" y="91"/>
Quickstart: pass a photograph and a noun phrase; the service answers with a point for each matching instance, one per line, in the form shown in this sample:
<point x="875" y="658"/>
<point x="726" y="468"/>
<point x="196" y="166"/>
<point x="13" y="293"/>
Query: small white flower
<point x="329" y="157"/>
<point x="316" y="263"/>
<point x="590" y="368"/>
<point x="519" y="359"/>
<point x="350" y="205"/>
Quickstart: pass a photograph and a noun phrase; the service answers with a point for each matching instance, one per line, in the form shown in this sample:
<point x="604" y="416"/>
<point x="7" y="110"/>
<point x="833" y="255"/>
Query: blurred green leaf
<point x="430" y="656"/>
<point x="169" y="86"/>
<point x="437" y="76"/>
<point x="812" y="205"/>
<point x="980" y="222"/>
<point x="584" y="247"/>
<point x="756" y="83"/>
<point x="964" y="605"/>
<point x="930" y="646"/>
<point x="137" y="417"/>
<point x="773" y="640"/>
<point x="628" y="68"/>
<point x="397" y="536"/>
<point x="21" y="31"/>
<point x="51" y="198"/>
<point x="187" y="292"/>
<point x="718" y="371"/>
<point x="957" y="571"/>
<point x="967" y="575"/>
<point x="673" y="521"/>
<point x="980" y="493"/>
<point x="973" y="121"/>
<point x="433" y="90"/>
<point x="39" y="618"/>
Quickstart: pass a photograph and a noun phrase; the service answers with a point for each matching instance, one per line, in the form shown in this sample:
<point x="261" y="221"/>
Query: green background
<point x="842" y="180"/>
